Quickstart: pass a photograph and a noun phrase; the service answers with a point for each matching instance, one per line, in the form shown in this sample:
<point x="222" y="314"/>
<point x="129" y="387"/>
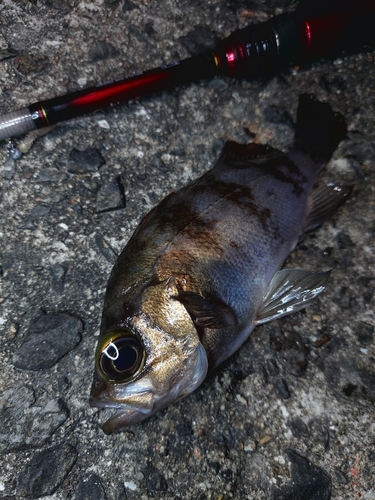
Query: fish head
<point x="151" y="361"/>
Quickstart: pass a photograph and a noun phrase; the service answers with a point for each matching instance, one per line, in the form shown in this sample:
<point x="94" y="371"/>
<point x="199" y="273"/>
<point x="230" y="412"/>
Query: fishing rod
<point x="318" y="28"/>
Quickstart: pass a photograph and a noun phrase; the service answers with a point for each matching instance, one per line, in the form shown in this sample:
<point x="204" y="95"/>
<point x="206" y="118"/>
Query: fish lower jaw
<point x="124" y="416"/>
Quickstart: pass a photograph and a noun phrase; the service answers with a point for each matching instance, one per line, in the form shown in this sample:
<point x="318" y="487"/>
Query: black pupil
<point x="121" y="358"/>
<point x="126" y="359"/>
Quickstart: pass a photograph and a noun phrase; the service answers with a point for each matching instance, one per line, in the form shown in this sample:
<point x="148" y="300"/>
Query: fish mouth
<point x="124" y="416"/>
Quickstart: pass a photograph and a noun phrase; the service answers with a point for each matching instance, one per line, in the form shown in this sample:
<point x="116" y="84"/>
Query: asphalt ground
<point x="291" y="415"/>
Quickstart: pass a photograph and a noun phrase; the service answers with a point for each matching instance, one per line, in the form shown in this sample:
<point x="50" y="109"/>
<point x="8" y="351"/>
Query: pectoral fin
<point x="289" y="291"/>
<point x="207" y="312"/>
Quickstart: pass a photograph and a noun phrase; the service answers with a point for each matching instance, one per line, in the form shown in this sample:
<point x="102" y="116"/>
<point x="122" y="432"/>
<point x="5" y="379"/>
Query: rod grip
<point x="16" y="123"/>
<point x="260" y="49"/>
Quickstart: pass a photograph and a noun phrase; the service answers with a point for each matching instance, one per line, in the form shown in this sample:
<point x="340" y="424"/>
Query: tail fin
<point x="318" y="128"/>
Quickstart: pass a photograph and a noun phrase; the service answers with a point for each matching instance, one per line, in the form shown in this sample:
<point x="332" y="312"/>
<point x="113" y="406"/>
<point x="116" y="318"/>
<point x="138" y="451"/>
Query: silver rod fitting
<point x="16" y="123"/>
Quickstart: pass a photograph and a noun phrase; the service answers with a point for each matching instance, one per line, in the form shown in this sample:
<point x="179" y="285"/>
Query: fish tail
<point x="319" y="129"/>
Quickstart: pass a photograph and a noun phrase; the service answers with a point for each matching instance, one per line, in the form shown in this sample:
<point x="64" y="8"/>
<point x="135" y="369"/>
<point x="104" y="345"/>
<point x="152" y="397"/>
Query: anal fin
<point x="289" y="291"/>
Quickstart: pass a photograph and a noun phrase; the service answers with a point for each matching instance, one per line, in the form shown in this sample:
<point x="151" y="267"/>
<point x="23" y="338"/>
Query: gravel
<point x="291" y="415"/>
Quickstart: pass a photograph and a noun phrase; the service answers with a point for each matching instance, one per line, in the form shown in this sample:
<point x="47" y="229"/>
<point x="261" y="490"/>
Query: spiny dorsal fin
<point x="247" y="152"/>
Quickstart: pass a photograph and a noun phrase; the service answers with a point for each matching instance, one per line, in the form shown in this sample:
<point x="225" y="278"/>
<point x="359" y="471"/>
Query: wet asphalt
<point x="291" y="415"/>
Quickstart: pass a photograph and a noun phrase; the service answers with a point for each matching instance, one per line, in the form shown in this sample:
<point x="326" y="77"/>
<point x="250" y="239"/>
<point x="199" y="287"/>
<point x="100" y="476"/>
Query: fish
<point x="204" y="268"/>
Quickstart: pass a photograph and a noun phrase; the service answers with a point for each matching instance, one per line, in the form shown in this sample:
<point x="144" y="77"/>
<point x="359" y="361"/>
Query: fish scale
<point x="202" y="269"/>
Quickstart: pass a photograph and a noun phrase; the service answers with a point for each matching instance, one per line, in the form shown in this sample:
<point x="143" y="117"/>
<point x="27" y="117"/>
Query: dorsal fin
<point x="150" y="215"/>
<point x="247" y="152"/>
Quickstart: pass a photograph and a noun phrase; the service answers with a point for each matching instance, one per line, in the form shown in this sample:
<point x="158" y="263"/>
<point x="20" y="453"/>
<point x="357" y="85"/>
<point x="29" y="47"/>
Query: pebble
<point x="92" y="489"/>
<point x="9" y="169"/>
<point x="49" y="338"/>
<point x="332" y="84"/>
<point x="27" y="421"/>
<point x="128" y="6"/>
<point x="272" y="367"/>
<point x="298" y="427"/>
<point x="108" y="253"/>
<point x="15" y="153"/>
<point x="39" y="211"/>
<point x="112" y="4"/>
<point x="61" y="5"/>
<point x="322" y="339"/>
<point x="50" y="175"/>
<point x="291" y="351"/>
<point x="140" y="36"/>
<point x="83" y="162"/>
<point x="27" y="224"/>
<point x="265" y="439"/>
<point x="7" y="261"/>
<point x="130" y="485"/>
<point x="157" y="482"/>
<point x="308" y="482"/>
<point x="104" y="124"/>
<point x="250" y="445"/>
<point x="111" y="196"/>
<point x="199" y="40"/>
<point x="58" y="273"/>
<point x="344" y="240"/>
<point x="120" y="493"/>
<point x="364" y="333"/>
<point x="46" y="471"/>
<point x="13" y="330"/>
<point x="348" y="380"/>
<point x="281" y="388"/>
<point x="92" y="185"/>
<point x="35" y="63"/>
<point x="102" y="50"/>
<point x="8" y="53"/>
<point x="278" y="116"/>
<point x="319" y="433"/>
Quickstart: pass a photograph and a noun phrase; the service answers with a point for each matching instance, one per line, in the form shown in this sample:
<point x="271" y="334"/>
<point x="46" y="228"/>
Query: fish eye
<point x="121" y="356"/>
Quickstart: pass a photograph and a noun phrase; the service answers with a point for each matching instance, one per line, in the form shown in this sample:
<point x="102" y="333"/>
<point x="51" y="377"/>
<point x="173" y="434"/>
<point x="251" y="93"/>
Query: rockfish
<point x="203" y="268"/>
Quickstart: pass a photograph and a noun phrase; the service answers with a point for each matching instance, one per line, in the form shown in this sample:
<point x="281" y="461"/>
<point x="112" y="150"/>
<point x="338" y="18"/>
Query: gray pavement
<point x="291" y="415"/>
